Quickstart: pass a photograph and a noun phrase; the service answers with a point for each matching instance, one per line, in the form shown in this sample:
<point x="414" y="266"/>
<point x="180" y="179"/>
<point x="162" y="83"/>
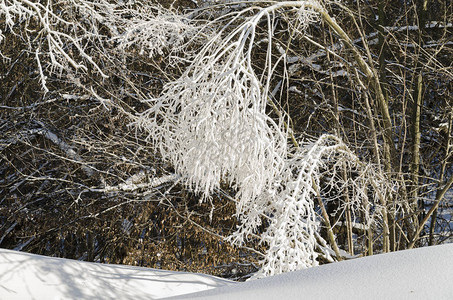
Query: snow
<point x="424" y="273"/>
<point x="28" y="276"/>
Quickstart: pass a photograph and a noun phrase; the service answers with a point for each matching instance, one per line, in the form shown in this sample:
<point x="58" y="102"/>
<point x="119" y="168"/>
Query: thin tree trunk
<point x="441" y="178"/>
<point x="439" y="196"/>
<point x="416" y="112"/>
<point x="348" y="215"/>
<point x="325" y="215"/>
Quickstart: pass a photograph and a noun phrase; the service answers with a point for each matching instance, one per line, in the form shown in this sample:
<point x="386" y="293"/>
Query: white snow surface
<point x="424" y="273"/>
<point x="29" y="276"/>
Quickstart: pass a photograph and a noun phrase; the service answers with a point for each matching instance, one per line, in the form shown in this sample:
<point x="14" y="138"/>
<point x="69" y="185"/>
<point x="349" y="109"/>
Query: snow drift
<point x="28" y="276"/>
<point x="423" y="273"/>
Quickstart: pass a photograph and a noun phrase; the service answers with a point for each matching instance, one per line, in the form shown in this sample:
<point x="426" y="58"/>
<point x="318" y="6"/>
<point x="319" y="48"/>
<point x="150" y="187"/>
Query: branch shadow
<point x="28" y="276"/>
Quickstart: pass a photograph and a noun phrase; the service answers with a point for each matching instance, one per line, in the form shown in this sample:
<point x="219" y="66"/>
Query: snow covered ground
<point x="28" y="276"/>
<point x="424" y="273"/>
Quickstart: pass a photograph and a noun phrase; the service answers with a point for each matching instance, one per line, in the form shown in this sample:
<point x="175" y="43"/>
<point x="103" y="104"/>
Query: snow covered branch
<point x="65" y="34"/>
<point x="213" y="125"/>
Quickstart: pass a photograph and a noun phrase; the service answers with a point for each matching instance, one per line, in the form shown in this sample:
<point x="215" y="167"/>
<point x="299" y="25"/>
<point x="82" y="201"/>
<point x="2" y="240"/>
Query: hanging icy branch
<point x="293" y="223"/>
<point x="212" y="125"/>
<point x="212" y="122"/>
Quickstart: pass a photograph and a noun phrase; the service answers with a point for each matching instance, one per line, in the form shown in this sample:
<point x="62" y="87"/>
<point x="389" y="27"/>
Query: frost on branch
<point x="60" y="32"/>
<point x="154" y="31"/>
<point x="81" y="35"/>
<point x="212" y="124"/>
<point x="289" y="207"/>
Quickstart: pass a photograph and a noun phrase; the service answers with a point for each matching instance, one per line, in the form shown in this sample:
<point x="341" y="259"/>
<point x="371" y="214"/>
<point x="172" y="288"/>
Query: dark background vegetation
<point x="56" y="204"/>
